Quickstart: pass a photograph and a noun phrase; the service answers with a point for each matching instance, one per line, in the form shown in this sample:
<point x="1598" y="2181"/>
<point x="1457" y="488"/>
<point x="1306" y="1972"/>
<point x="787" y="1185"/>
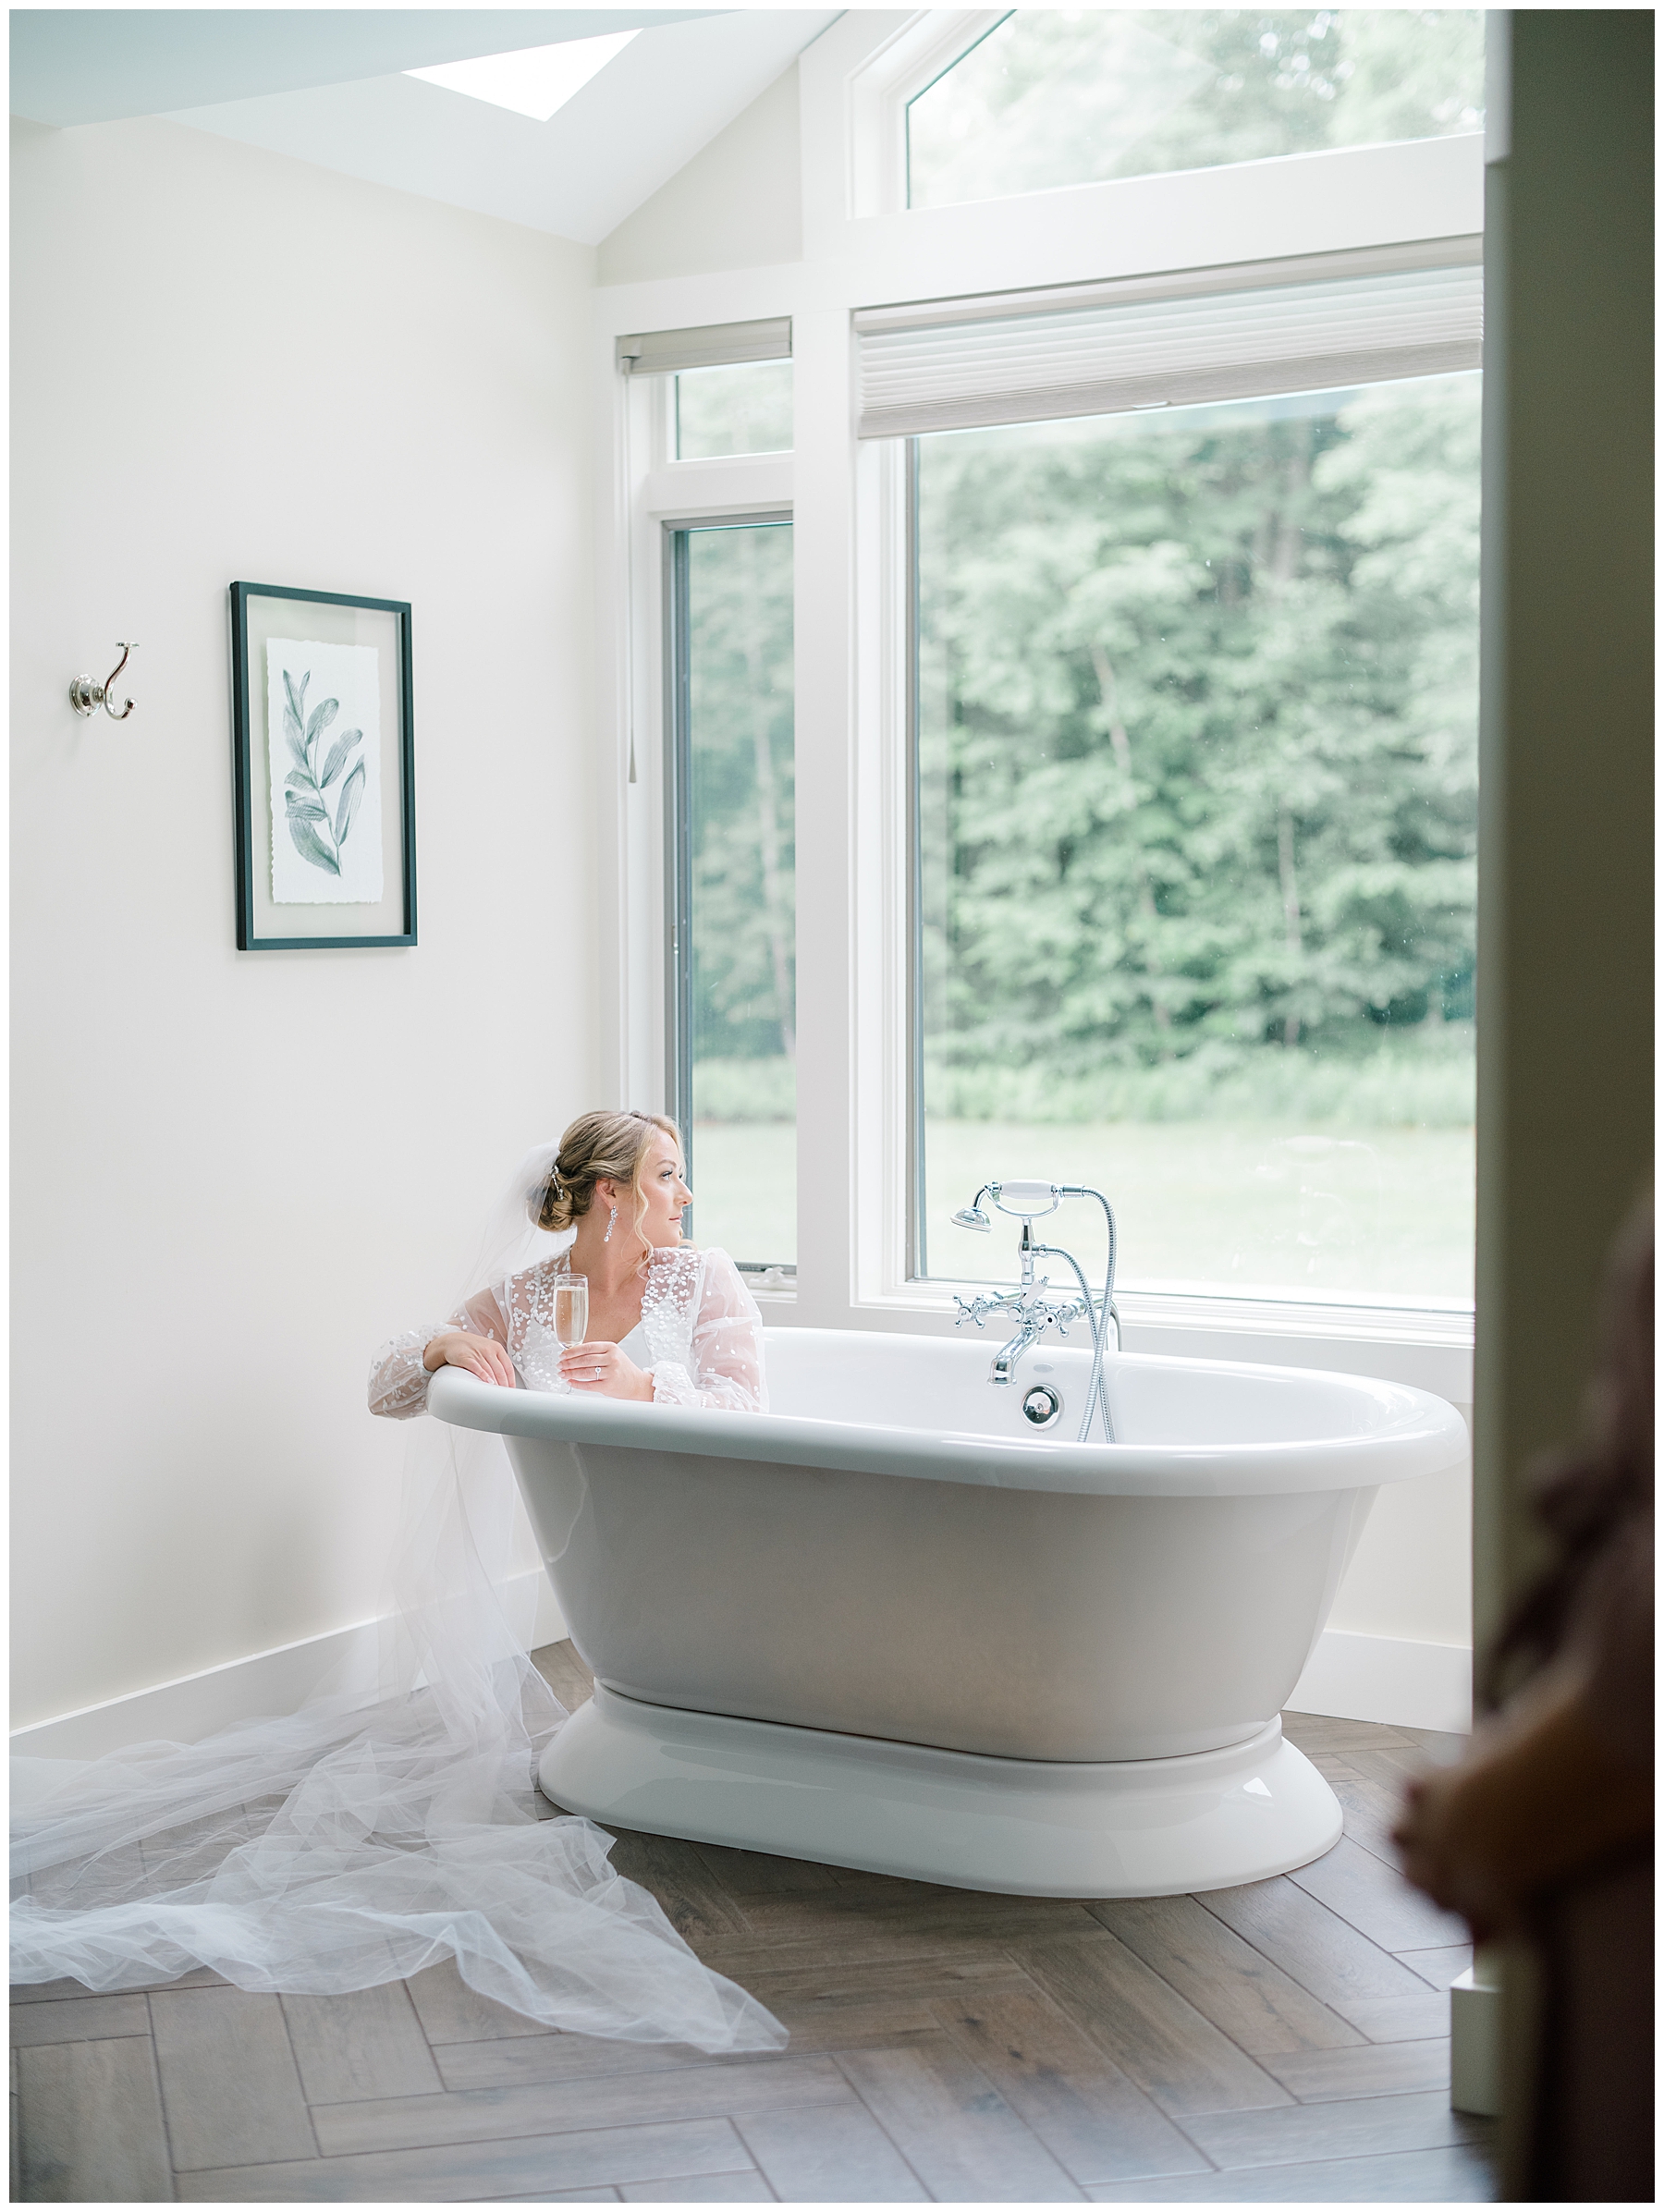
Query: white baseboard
<point x="1391" y="1678"/>
<point x="266" y="1682"/>
<point x="1352" y="1677"/>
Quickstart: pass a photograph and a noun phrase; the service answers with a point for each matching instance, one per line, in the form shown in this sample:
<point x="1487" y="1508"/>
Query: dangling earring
<point x="610" y="1219"/>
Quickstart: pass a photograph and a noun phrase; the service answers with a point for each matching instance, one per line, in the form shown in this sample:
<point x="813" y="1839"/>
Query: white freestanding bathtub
<point x="885" y="1625"/>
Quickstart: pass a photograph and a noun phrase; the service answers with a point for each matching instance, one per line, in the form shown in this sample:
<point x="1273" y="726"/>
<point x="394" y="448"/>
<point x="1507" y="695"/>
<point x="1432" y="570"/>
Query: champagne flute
<point x="571" y="1309"/>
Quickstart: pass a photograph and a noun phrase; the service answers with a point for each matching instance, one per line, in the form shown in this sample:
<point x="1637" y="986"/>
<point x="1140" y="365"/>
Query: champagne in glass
<point x="571" y="1309"/>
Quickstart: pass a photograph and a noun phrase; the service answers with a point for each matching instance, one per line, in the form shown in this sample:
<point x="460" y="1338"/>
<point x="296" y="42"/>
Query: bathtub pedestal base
<point x="1144" y="1828"/>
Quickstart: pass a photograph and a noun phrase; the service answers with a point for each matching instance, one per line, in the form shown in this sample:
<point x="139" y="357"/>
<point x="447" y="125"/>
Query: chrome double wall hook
<point x="85" y="696"/>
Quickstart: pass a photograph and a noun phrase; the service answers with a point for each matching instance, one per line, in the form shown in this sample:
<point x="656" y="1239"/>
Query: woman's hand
<point x="1453" y="1845"/>
<point x="483" y="1356"/>
<point x="604" y="1370"/>
<point x="1540" y="1797"/>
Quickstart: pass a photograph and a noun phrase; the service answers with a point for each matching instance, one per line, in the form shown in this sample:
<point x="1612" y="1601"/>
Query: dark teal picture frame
<point x="244" y="778"/>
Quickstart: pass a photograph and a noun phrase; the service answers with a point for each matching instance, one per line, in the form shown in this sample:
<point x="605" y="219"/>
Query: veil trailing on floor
<point x="385" y="1826"/>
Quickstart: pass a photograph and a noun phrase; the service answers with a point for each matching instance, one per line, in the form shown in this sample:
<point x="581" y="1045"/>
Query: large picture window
<point x="1194" y="746"/>
<point x="733" y="990"/>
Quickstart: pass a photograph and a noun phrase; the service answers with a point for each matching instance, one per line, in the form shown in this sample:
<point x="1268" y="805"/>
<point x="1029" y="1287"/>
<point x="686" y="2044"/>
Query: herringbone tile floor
<point x="1280" y="2043"/>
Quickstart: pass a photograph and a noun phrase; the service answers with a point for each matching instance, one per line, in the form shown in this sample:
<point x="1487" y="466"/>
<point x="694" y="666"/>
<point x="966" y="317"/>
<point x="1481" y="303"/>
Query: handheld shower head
<point x="973" y="1217"/>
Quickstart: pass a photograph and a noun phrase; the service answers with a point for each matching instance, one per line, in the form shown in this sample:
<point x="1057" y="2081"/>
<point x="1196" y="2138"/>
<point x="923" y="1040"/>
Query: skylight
<point x="535" y="81"/>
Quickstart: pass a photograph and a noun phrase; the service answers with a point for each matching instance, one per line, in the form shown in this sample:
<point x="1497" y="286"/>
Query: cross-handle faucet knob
<point x="973" y="1309"/>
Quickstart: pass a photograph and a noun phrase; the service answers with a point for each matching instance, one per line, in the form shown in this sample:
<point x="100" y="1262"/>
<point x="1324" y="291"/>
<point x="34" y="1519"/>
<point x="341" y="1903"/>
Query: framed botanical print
<point x="323" y="750"/>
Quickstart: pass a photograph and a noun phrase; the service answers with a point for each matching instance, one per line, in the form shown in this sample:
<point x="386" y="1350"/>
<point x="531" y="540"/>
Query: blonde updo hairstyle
<point x="601" y="1147"/>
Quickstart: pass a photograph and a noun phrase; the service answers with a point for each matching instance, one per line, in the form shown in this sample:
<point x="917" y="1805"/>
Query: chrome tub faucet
<point x="1028" y="1306"/>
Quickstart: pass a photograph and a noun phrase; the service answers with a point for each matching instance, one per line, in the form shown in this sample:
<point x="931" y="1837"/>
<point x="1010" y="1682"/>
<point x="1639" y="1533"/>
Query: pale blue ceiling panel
<point x="95" y="65"/>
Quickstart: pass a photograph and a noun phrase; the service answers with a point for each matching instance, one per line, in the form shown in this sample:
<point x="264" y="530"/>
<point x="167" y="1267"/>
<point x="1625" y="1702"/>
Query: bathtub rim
<point x="1424" y="1434"/>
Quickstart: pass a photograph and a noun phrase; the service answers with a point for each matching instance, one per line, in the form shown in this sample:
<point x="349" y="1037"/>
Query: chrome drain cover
<point x="1042" y="1405"/>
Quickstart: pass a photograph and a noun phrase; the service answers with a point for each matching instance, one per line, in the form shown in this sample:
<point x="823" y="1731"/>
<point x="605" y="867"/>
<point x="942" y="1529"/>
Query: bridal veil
<point x="382" y="1826"/>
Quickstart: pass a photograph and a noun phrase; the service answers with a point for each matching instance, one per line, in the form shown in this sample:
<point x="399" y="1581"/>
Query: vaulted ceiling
<point x="327" y="85"/>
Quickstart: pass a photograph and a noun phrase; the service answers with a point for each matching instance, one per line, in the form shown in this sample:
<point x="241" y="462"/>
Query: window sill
<point x="1429" y="1347"/>
<point x="1441" y="1322"/>
<point x="736" y="484"/>
<point x="1446" y="1322"/>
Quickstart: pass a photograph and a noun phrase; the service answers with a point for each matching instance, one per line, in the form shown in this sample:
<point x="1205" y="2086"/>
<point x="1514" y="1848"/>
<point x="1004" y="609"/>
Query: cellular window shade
<point x="947" y="367"/>
<point x="708" y="346"/>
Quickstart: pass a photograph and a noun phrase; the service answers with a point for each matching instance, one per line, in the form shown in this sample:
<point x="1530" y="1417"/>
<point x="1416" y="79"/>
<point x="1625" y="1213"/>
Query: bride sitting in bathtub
<point x="667" y="1321"/>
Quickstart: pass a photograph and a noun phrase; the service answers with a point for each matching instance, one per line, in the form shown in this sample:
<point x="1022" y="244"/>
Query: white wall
<point x="235" y="1173"/>
<point x="1412" y="1575"/>
<point x="736" y="205"/>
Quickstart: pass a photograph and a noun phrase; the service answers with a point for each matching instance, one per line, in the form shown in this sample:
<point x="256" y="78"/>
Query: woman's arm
<point x="475" y="1338"/>
<point x="727" y="1353"/>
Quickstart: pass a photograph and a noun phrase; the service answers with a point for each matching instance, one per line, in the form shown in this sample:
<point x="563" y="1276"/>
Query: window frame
<point x="1441" y="1315"/>
<point x="679" y="833"/>
<point x="913" y="52"/>
<point x="922" y="48"/>
<point x="643" y="493"/>
<point x="847" y="509"/>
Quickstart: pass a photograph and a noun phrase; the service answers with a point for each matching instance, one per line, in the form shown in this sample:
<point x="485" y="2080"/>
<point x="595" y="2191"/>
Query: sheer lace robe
<point x="700" y="1330"/>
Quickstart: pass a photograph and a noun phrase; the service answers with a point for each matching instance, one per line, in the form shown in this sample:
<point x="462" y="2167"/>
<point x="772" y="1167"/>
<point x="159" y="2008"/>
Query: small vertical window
<point x="745" y="407"/>
<point x="733" y="988"/>
<point x="1058" y="96"/>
